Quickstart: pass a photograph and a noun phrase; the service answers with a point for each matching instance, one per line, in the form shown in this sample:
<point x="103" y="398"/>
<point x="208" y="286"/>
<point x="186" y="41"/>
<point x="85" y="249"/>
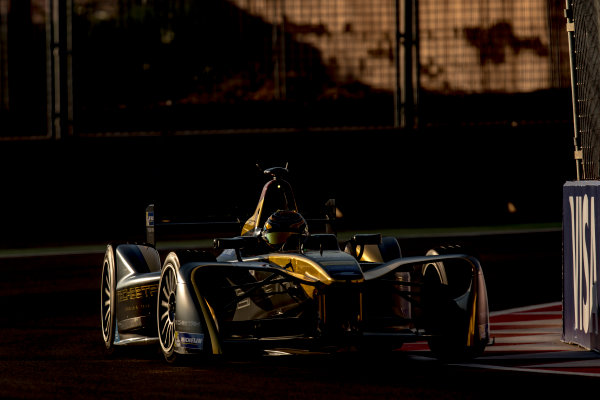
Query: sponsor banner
<point x="189" y="340"/>
<point x="581" y="202"/>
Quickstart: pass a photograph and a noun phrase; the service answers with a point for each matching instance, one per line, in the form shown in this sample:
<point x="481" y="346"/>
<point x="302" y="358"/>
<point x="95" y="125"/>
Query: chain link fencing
<point x="123" y="67"/>
<point x="582" y="27"/>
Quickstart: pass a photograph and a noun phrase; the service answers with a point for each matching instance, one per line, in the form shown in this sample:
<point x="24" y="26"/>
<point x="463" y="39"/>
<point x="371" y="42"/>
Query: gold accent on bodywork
<point x="371" y="253"/>
<point x="360" y="307"/>
<point x="302" y="267"/>
<point x="472" y="322"/>
<point x="210" y="321"/>
<point x="250" y="224"/>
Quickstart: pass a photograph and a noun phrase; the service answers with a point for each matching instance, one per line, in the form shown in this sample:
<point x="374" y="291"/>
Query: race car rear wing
<point x="152" y="224"/>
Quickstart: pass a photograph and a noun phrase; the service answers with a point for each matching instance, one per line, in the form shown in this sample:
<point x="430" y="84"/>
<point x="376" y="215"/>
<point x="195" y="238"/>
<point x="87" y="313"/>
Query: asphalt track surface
<point x="51" y="345"/>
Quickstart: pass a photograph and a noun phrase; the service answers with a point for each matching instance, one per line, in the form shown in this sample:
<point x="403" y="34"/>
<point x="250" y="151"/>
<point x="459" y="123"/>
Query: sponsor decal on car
<point x="149" y="218"/>
<point x="183" y="323"/>
<point x="189" y="340"/>
<point x="138" y="292"/>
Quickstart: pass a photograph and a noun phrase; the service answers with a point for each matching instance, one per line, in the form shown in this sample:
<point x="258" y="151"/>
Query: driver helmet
<point x="283" y="225"/>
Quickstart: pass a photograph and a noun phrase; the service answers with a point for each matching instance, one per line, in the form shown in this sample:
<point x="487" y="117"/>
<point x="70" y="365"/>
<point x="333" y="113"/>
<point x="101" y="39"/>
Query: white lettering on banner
<point x="583" y="228"/>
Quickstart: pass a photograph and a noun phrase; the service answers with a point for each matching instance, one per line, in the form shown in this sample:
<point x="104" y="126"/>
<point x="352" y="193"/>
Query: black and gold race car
<point x="277" y="285"/>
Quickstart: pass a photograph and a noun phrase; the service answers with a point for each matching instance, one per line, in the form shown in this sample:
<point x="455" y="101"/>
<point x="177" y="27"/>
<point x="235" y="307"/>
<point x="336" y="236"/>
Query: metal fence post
<point x="67" y="72"/>
<point x="578" y="153"/>
<point x="4" y="99"/>
<point x="59" y="66"/>
<point x="406" y="59"/>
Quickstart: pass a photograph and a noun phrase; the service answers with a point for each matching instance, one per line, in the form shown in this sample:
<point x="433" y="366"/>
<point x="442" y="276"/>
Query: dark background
<point x="112" y="105"/>
<point x="96" y="189"/>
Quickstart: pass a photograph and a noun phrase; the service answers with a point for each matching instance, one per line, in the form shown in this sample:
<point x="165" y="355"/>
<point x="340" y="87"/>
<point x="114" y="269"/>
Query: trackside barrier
<point x="581" y="202"/>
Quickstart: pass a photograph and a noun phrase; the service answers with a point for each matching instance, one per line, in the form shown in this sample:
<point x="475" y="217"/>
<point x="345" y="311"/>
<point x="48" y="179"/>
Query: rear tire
<point x="167" y="292"/>
<point x="107" y="300"/>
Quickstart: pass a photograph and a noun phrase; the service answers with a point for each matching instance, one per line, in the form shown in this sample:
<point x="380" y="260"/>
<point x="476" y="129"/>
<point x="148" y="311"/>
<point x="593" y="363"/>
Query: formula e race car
<point x="277" y="285"/>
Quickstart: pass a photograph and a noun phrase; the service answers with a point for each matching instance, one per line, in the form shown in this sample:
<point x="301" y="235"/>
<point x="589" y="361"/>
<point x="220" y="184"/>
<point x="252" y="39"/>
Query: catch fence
<point x="125" y="67"/>
<point x="583" y="24"/>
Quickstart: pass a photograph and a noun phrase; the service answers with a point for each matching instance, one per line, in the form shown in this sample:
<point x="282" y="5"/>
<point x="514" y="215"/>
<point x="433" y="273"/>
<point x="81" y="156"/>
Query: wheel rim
<point x="106" y="301"/>
<point x="166" y="309"/>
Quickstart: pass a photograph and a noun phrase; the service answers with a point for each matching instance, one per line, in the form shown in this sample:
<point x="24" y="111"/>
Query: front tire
<point x="107" y="300"/>
<point x="449" y="322"/>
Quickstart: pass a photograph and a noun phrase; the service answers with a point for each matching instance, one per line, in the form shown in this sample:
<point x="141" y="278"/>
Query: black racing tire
<point x="450" y="324"/>
<point x="108" y="300"/>
<point x="390" y="248"/>
<point x="437" y="266"/>
<point x="166" y="308"/>
<point x="445" y="321"/>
